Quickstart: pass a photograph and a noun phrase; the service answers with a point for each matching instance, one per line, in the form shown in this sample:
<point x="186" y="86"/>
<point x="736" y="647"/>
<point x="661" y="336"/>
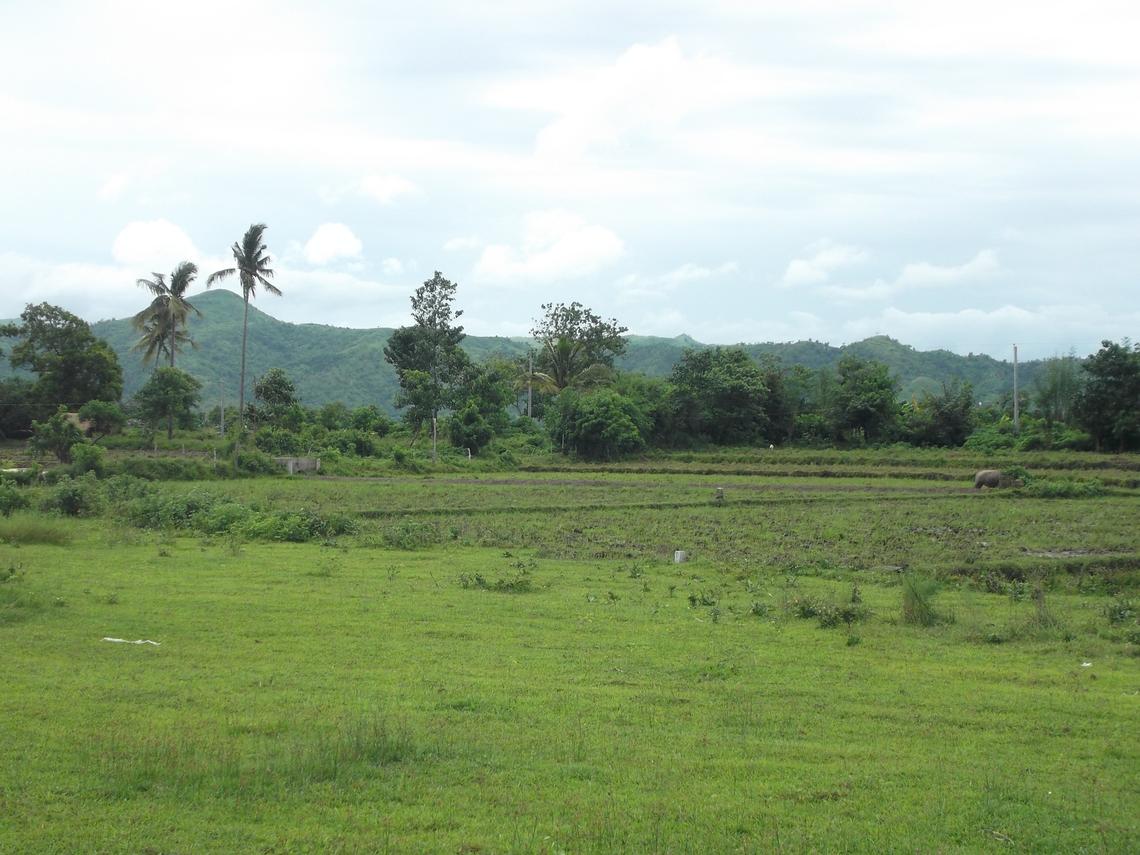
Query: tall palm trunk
<point x="170" y="415"/>
<point x="241" y="381"/>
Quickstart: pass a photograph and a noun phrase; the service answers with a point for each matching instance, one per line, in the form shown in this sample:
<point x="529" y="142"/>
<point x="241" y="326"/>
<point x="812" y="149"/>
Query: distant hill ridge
<point x="329" y="363"/>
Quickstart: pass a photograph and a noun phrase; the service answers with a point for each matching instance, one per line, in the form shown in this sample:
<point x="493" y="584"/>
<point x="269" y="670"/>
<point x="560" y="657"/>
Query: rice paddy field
<point x="861" y="654"/>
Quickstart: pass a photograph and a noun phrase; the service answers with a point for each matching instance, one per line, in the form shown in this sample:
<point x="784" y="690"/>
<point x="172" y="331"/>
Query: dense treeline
<point x="566" y="389"/>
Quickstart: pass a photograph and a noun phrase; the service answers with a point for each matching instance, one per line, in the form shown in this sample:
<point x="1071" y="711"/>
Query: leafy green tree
<point x="251" y="266"/>
<point x="17" y="407"/>
<point x="865" y="399"/>
<point x="276" y="402"/>
<point x="945" y="419"/>
<point x="335" y="416"/>
<point x="1109" y="405"/>
<point x="576" y="347"/>
<point x="428" y="361"/>
<point x="56" y="435"/>
<point x="104" y="417"/>
<point x="72" y="365"/>
<point x="1056" y="387"/>
<point x="469" y="429"/>
<point x="719" y="396"/>
<point x="371" y="420"/>
<point x="170" y="395"/>
<point x="163" y="322"/>
<point x="598" y="424"/>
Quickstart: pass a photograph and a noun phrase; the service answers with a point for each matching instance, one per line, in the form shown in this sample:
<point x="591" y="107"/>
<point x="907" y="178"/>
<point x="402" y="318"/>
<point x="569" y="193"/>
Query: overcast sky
<point x="961" y="175"/>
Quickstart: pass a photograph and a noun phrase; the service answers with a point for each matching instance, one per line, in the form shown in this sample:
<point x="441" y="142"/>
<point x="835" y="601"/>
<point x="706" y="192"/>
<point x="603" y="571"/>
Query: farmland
<point x="861" y="654"/>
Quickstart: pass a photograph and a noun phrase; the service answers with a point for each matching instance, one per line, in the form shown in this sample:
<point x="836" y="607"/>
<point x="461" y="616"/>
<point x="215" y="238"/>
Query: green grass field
<point x="512" y="662"/>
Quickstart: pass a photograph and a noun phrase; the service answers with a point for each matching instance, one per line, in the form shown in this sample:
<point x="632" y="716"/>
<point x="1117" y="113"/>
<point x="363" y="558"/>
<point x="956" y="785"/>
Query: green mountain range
<point x="336" y="364"/>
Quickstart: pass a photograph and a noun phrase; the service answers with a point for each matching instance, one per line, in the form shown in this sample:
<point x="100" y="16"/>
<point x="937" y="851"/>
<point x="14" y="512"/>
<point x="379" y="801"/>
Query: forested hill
<point x="333" y="363"/>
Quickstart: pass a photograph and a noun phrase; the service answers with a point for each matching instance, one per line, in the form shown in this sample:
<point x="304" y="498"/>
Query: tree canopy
<point x="71" y="364"/>
<point x="576" y="346"/>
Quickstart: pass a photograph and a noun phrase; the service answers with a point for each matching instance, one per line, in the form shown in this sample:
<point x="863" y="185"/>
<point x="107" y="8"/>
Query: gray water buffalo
<point x="995" y="478"/>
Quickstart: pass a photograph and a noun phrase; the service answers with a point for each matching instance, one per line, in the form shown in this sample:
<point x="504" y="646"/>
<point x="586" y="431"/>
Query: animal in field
<point x="995" y="478"/>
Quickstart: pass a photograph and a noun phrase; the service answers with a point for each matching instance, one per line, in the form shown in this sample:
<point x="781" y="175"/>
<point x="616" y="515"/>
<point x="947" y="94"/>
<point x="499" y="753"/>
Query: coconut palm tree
<point x="160" y="321"/>
<point x="251" y="264"/>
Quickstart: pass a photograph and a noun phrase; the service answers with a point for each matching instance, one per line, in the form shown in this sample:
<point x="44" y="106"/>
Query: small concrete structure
<point x="293" y="465"/>
<point x="680" y="556"/>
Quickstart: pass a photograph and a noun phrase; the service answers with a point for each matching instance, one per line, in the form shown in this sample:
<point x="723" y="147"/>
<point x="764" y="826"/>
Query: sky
<point x="955" y="175"/>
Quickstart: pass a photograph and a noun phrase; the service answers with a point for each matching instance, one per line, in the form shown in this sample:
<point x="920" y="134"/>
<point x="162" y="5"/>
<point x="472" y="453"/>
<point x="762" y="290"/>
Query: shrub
<point x="56" y="435"/>
<point x="1063" y="488"/>
<point x="412" y="534"/>
<point x="257" y="463"/>
<point x="917" y="601"/>
<point x="277" y="441"/>
<point x="86" y="457"/>
<point x="75" y="497"/>
<point x="164" y="468"/>
<point x="12" y="499"/>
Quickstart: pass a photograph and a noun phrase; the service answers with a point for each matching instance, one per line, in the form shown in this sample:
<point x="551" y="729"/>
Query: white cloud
<point x="330" y="242"/>
<point x="924" y="274"/>
<point x="636" y="288"/>
<point x="827" y="257"/>
<point x="556" y="244"/>
<point x="457" y="244"/>
<point x="392" y="266"/>
<point x="920" y="275"/>
<point x="386" y="189"/>
<point x="153" y="245"/>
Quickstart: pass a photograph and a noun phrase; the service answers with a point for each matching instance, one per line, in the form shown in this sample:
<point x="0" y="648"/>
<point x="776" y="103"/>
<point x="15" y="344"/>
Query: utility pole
<point x="433" y="435"/>
<point x="1016" y="410"/>
<point x="221" y="407"/>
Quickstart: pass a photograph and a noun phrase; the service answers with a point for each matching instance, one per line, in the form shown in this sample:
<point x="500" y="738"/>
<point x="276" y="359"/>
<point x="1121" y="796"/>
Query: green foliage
<point x="719" y="396"/>
<point x="163" y="322"/>
<point x="1109" y="405"/>
<point x="469" y="429"/>
<point x="71" y="364"/>
<point x="576" y="346"/>
<point x="12" y="498"/>
<point x="426" y="356"/>
<point x="946" y="419"/>
<point x="1062" y="488"/>
<point x="75" y="497"/>
<point x="169" y="398"/>
<point x="865" y="399"/>
<point x="918" y="601"/>
<point x="276" y="441"/>
<point x="103" y="417"/>
<point x="86" y="457"/>
<point x="598" y="425"/>
<point x="58" y="435"/>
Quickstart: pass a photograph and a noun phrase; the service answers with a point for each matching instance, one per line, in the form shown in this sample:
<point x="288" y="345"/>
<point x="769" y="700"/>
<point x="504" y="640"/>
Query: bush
<point x="12" y="498"/>
<point x="277" y="441"/>
<point x="75" y="497"/>
<point x="917" y="601"/>
<point x="164" y="468"/>
<point x="350" y="441"/>
<point x="86" y="457"/>
<point x="1062" y="488"/>
<point x="257" y="463"/>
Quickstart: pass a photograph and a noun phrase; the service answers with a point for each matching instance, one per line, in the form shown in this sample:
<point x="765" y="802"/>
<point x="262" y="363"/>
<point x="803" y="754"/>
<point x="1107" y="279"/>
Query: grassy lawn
<point x="537" y="675"/>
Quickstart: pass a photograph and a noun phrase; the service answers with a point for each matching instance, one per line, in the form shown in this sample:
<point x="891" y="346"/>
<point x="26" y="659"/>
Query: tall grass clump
<point x="918" y="601"/>
<point x="29" y="529"/>
<point x="225" y="764"/>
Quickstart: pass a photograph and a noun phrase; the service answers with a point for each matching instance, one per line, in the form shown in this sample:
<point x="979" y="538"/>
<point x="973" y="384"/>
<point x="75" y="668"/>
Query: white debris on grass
<point x="136" y="641"/>
<point x="1086" y="664"/>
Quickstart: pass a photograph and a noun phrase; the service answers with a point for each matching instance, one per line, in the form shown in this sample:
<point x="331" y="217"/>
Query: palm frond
<point x="219" y="275"/>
